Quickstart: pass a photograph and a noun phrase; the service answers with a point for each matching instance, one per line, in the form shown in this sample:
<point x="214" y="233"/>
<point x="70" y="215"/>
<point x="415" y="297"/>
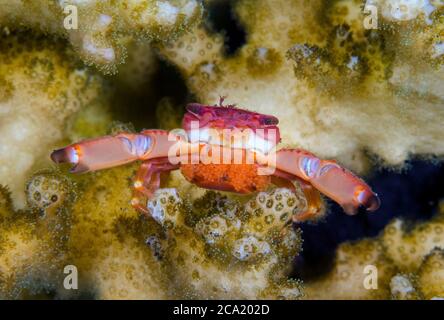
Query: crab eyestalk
<point x="104" y="152"/>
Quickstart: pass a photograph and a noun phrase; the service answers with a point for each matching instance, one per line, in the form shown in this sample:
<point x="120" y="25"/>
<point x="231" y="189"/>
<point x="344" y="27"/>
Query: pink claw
<point x="104" y="152"/>
<point x="330" y="178"/>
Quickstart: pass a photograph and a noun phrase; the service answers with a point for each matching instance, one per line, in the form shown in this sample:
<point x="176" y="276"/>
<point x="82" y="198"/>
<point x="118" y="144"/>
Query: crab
<point x="222" y="148"/>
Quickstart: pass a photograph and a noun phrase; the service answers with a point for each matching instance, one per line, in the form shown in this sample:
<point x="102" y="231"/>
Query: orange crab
<point x="223" y="148"/>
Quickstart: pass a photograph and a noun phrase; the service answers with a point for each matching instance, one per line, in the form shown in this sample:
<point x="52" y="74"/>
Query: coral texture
<point x="41" y="90"/>
<point x="32" y="242"/>
<point x="107" y="242"/>
<point x="408" y="261"/>
<point x="101" y="31"/>
<point x="212" y="247"/>
<point x="228" y="250"/>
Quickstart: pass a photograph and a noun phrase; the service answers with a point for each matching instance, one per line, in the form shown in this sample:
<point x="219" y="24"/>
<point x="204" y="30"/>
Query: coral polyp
<point x="49" y="191"/>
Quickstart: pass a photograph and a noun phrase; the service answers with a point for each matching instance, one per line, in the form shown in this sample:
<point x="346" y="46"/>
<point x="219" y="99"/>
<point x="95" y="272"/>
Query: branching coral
<point x="32" y="242"/>
<point x="407" y="247"/>
<point x="426" y="283"/>
<point x="227" y="250"/>
<point x="107" y="242"/>
<point x="413" y="32"/>
<point x="431" y="275"/>
<point x="101" y="30"/>
<point x="48" y="192"/>
<point x="401" y="288"/>
<point x="328" y="80"/>
<point x="41" y="89"/>
<point x="409" y="265"/>
<point x="213" y="247"/>
<point x="5" y="203"/>
<point x="22" y="256"/>
<point x="347" y="278"/>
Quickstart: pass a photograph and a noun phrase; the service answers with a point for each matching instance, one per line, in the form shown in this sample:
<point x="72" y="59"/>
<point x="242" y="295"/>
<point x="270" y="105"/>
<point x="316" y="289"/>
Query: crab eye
<point x="269" y="121"/>
<point x="195" y="108"/>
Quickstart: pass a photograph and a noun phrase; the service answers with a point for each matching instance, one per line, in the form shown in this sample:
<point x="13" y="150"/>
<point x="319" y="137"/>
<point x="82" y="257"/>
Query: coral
<point x="431" y="275"/>
<point x="165" y="207"/>
<point x="101" y="31"/>
<point x="328" y="80"/>
<point x="348" y="65"/>
<point x="47" y="191"/>
<point x="212" y="252"/>
<point x="347" y="277"/>
<point x="39" y="84"/>
<point x="19" y="255"/>
<point x="409" y="263"/>
<point x="32" y="247"/>
<point x="402" y="10"/>
<point x="5" y="203"/>
<point x="183" y="251"/>
<point x="269" y="210"/>
<point x="402" y="288"/>
<point x="107" y="242"/>
<point x="135" y="74"/>
<point x="426" y="283"/>
<point x="407" y="246"/>
<point x="413" y="31"/>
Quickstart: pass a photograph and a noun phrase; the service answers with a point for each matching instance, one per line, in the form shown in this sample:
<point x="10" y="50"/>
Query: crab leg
<point x="151" y="146"/>
<point x="314" y="203"/>
<point x="328" y="177"/>
<point x="147" y="181"/>
<point x="110" y="151"/>
<point x="103" y="152"/>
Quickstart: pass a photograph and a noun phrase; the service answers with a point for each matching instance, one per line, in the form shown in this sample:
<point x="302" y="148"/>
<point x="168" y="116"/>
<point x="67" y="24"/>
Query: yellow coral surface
<point x="41" y="89"/>
<point x="408" y="262"/>
<point x="101" y="31"/>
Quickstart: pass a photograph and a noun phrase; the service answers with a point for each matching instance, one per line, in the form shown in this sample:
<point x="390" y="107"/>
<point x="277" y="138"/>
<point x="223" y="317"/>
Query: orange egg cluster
<point x="242" y="178"/>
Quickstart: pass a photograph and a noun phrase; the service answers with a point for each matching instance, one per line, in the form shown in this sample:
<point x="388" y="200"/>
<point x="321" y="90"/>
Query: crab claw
<point x="369" y="200"/>
<point x="69" y="154"/>
<point x="64" y="155"/>
<point x="104" y="152"/>
<point x="345" y="188"/>
<point x="337" y="183"/>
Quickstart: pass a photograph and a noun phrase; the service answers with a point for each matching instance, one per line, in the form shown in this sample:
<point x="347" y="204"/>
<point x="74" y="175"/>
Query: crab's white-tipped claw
<point x="104" y="152"/>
